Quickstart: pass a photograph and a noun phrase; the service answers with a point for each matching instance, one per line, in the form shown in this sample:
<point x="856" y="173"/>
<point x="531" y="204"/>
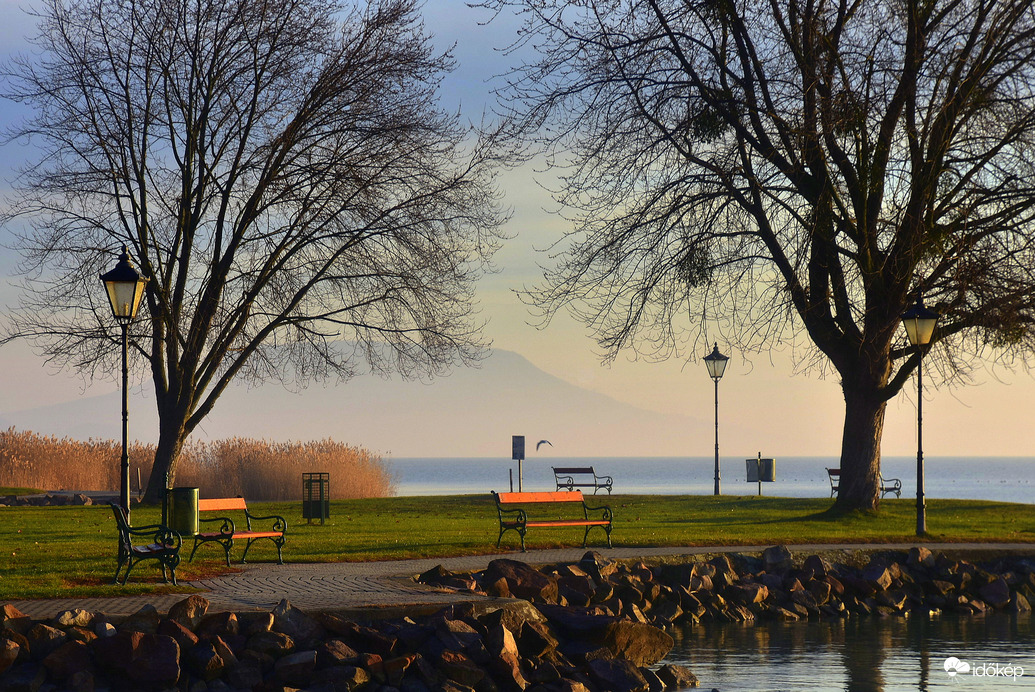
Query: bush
<point x="257" y="469"/>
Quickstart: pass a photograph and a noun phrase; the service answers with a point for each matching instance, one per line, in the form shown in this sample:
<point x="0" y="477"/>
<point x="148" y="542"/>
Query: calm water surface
<point x="865" y="654"/>
<point x="1006" y="479"/>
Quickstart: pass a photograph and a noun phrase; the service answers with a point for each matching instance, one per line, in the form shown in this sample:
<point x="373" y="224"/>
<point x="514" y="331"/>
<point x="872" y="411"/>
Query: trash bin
<point x="183" y="510"/>
<point x="316" y="496"/>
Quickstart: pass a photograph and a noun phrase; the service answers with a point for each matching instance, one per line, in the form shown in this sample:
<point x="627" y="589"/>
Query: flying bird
<point x="540" y="443"/>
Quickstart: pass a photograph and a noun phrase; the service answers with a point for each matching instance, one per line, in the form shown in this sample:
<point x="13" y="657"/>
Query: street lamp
<point x="716" y="364"/>
<point x="125" y="289"/>
<point x="919" y="323"/>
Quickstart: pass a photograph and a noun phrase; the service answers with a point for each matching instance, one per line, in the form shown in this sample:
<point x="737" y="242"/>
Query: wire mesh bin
<point x="316" y="496"/>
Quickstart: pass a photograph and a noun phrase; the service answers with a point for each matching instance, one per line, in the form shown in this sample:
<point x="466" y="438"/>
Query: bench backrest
<point x="573" y="469"/>
<point x="531" y="498"/>
<point x="222" y="504"/>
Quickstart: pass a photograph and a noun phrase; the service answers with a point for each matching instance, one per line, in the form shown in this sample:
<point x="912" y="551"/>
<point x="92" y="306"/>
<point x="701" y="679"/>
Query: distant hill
<point x="472" y="412"/>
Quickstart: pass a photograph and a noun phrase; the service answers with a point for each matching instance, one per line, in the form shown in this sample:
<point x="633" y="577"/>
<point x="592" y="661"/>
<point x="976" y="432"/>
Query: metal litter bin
<point x="183" y="510"/>
<point x="316" y="496"/>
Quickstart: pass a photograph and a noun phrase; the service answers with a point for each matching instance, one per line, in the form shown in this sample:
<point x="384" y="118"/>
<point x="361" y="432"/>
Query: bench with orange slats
<point x="512" y="510"/>
<point x="228" y="531"/>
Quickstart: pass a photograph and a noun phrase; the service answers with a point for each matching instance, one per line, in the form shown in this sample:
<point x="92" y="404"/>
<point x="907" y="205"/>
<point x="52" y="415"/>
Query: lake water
<point x="865" y="654"/>
<point x="1007" y="479"/>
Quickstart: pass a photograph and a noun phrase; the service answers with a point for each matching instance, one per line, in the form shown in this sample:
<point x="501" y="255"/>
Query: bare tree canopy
<point x="280" y="170"/>
<point x="809" y="166"/>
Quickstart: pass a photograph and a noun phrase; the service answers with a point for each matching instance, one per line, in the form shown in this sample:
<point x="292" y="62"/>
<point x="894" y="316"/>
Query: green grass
<point x="69" y="551"/>
<point x="4" y="490"/>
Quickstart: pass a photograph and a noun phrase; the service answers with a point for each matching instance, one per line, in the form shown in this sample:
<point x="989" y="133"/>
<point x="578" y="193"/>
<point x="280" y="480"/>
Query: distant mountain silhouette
<point x="472" y="412"/>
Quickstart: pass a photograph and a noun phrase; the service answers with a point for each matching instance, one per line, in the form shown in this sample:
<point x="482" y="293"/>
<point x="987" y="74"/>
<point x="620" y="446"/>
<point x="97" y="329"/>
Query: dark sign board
<point x="519" y="446"/>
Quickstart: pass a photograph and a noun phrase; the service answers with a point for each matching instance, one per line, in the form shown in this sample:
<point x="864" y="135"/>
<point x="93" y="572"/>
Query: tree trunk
<point x="860" y="450"/>
<point x="171" y="436"/>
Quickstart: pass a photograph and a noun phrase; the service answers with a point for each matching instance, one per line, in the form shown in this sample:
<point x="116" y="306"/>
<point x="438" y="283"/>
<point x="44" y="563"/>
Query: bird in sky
<point x="540" y="443"/>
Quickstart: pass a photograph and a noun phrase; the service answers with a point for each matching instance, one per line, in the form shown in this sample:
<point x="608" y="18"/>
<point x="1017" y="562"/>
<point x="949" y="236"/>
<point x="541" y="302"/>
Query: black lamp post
<point x="919" y="323"/>
<point x="125" y="289"/>
<point x="716" y="364"/>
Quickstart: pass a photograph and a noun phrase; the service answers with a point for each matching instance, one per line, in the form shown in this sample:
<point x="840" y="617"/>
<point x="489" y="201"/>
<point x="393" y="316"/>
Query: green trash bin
<point x="183" y="510"/>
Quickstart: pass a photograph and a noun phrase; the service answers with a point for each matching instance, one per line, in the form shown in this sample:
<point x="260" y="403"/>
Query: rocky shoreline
<point x="594" y="626"/>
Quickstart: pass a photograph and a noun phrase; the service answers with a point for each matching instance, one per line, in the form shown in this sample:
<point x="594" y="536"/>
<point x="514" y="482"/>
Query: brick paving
<point x="357" y="585"/>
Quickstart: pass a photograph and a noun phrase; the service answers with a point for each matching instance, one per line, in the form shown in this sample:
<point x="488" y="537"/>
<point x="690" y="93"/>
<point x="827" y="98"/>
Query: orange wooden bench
<point x="228" y="531"/>
<point x="513" y="516"/>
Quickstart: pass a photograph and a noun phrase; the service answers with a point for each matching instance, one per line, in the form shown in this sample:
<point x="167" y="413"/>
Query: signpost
<point x="518" y="447"/>
<point x="759" y="470"/>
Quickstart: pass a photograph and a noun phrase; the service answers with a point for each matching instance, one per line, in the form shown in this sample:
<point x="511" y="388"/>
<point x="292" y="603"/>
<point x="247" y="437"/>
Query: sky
<point x="790" y="413"/>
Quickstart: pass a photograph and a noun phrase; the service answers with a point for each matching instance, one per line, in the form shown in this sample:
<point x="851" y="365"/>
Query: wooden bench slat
<point x="222" y="504"/>
<point x="552" y="496"/>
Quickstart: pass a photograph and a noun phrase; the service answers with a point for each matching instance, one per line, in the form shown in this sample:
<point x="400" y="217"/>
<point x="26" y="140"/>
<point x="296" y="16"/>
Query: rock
<point x="274" y="644"/>
<point x="224" y="625"/>
<point x="43" y="640"/>
<point x="1019" y="604"/>
<point x="617" y="675"/>
<point x="296" y="624"/>
<point x="776" y="559"/>
<point x="435" y="575"/>
<point x="523" y="581"/>
<point x="144" y="620"/>
<point x="995" y="593"/>
<point x="677" y="677"/>
<point x="342" y="678"/>
<point x="73" y="618"/>
<point x="458" y="667"/>
<point x="13" y="619"/>
<point x="203" y="661"/>
<point x="139" y="658"/>
<point x="506" y="659"/>
<point x="817" y="566"/>
<point x="335" y="653"/>
<point x="189" y="611"/>
<point x="597" y="566"/>
<point x="183" y="636"/>
<point x="253" y="623"/>
<point x="746" y="594"/>
<point x="296" y="669"/>
<point x="244" y="675"/>
<point x="9" y="651"/>
<point x="68" y="659"/>
<point x="362" y="639"/>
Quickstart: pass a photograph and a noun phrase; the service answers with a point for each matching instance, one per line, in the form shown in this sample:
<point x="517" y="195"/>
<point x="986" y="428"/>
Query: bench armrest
<point x="226" y="527"/>
<point x="607" y="516"/>
<point x="279" y="523"/>
<point x="162" y="535"/>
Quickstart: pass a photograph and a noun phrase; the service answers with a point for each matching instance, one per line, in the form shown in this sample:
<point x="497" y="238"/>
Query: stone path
<point x="389" y="584"/>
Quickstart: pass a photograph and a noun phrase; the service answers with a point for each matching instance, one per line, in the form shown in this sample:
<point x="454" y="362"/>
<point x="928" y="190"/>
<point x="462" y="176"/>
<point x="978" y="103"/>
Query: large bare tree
<point x="283" y="173"/>
<point x="790" y="167"/>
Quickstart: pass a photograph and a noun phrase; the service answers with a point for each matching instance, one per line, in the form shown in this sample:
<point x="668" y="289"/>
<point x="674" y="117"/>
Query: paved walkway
<point x="388" y="584"/>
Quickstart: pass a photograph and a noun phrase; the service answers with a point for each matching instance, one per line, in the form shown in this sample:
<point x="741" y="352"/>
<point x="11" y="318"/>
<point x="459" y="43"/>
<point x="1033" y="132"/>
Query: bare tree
<point x="283" y="173"/>
<point x="811" y="166"/>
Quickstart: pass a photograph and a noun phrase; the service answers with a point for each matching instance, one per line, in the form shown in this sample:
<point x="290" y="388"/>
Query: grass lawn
<point x="70" y="551"/>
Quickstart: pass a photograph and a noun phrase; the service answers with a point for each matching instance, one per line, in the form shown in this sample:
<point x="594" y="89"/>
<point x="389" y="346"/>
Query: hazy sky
<point x="789" y="414"/>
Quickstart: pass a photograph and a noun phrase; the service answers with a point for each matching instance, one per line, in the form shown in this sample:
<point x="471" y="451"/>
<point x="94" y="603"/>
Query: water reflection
<point x="863" y="654"/>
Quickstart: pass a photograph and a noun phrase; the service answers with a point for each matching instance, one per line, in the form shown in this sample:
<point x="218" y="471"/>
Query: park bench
<point x="228" y="531"/>
<point x="890" y="485"/>
<point x="511" y="508"/>
<point x="164" y="546"/>
<point x="571" y="477"/>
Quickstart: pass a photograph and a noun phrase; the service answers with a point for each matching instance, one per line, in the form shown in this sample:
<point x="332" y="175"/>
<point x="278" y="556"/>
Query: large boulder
<point x="523" y="581"/>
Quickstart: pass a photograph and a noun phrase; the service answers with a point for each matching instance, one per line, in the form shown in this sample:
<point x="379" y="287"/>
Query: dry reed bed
<point x="257" y="469"/>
